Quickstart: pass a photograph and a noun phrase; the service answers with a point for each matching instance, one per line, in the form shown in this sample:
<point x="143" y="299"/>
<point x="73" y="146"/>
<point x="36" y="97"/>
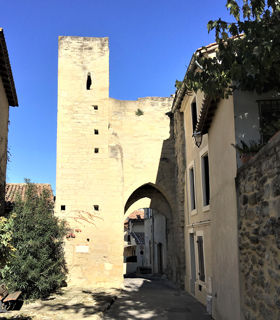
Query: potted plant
<point x="247" y="151"/>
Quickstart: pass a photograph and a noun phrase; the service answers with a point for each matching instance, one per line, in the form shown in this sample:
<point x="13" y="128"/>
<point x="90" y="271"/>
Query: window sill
<point x="194" y="212"/>
<point x="206" y="208"/>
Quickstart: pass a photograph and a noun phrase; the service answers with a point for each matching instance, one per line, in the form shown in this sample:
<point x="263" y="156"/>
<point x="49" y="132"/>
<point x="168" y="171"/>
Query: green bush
<point x="139" y="112"/>
<point x="37" y="266"/>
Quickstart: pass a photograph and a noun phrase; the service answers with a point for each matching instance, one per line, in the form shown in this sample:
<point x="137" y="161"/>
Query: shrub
<point x="37" y="267"/>
<point x="139" y="112"/>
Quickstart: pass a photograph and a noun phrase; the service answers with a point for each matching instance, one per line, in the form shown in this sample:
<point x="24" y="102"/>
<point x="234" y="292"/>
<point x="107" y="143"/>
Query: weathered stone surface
<point x="254" y="239"/>
<point x="274" y="275"/>
<point x="275" y="186"/>
<point x="249" y="315"/>
<point x="243" y="199"/>
<point x="260" y="262"/>
<point x="253" y="198"/>
<point x="264" y="209"/>
<point x="277" y="302"/>
<point x="261" y="278"/>
<point x="250" y="213"/>
<point x="260" y="182"/>
<point x="265" y="312"/>
<point x="254" y="259"/>
<point x="266" y="193"/>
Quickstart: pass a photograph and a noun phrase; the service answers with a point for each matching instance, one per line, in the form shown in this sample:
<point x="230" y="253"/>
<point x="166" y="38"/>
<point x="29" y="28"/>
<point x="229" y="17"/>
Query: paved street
<point x="155" y="298"/>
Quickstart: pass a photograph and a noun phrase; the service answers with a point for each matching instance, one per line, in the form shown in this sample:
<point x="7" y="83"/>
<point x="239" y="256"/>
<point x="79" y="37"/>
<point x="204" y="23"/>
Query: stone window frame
<point x="192" y="189"/>
<point x="202" y="154"/>
<point x="192" y="101"/>
<point x="200" y="233"/>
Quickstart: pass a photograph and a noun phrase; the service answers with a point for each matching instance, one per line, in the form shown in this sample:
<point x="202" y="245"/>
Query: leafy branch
<point x="247" y="55"/>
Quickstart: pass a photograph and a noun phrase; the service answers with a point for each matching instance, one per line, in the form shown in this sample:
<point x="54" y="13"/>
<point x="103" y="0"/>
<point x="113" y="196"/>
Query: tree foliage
<point x="37" y="267"/>
<point x="6" y="248"/>
<point x="248" y="53"/>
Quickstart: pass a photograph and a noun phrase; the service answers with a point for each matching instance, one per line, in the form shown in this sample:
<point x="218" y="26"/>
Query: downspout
<point x="153" y="238"/>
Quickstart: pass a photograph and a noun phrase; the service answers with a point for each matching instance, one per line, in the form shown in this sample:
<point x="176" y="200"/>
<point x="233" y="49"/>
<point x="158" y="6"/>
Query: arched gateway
<point x="111" y="155"/>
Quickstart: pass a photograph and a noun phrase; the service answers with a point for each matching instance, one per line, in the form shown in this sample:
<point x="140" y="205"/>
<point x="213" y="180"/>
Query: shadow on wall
<point x="168" y="175"/>
<point x="163" y="199"/>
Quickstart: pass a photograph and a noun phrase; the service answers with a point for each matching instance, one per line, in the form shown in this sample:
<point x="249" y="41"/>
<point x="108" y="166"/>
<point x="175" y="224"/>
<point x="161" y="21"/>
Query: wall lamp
<point x="197" y="138"/>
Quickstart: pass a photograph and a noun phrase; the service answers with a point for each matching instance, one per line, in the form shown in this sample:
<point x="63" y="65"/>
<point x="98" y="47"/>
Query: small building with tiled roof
<point x="8" y="97"/>
<point x="13" y="189"/>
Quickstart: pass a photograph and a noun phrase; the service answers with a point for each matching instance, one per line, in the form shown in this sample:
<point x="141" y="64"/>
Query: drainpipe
<point x="153" y="238"/>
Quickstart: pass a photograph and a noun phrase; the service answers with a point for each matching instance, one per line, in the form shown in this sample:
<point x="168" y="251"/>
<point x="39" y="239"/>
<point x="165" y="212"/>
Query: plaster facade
<point x="4" y="119"/>
<point x="211" y="232"/>
<point x="155" y="241"/>
<point x="8" y="97"/>
<point x="109" y="161"/>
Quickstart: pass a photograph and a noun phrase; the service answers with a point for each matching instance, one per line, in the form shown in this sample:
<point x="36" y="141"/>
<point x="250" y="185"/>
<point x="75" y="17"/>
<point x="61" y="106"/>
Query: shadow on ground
<point x="157" y="299"/>
<point x="80" y="303"/>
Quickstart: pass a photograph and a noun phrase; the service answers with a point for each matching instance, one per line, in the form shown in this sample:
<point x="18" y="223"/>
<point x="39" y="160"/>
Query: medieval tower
<point x="111" y="160"/>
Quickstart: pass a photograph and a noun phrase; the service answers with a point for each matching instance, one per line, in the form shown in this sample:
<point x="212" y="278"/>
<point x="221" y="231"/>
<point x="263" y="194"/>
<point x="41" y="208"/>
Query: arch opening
<point x="158" y="200"/>
<point x="158" y="252"/>
<point x="145" y="243"/>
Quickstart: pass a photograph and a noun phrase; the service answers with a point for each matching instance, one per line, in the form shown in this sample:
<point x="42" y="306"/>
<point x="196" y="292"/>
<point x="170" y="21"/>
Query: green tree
<point x="6" y="249"/>
<point x="248" y="53"/>
<point x="37" y="267"/>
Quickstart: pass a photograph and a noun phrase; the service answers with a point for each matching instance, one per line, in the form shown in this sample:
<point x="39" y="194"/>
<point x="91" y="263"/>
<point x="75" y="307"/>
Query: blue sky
<point x="151" y="43"/>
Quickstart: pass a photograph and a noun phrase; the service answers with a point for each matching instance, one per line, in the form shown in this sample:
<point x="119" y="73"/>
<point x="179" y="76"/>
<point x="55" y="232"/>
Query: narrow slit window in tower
<point x="88" y="81"/>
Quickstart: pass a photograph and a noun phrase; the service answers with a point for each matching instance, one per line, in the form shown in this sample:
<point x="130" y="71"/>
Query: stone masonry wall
<point x="105" y="153"/>
<point x="180" y="155"/>
<point x="258" y="194"/>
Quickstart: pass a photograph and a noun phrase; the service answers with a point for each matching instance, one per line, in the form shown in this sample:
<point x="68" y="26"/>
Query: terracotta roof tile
<point x="13" y="188"/>
<point x="137" y="214"/>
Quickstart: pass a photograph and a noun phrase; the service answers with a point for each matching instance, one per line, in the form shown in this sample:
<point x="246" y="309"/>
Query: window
<point x="269" y="111"/>
<point x="205" y="179"/>
<point x="96" y="131"/>
<point x="201" y="272"/>
<point x="63" y="208"/>
<point x="194" y="115"/>
<point x="96" y="207"/>
<point x="96" y="150"/>
<point x="95" y="107"/>
<point x="192" y="188"/>
<point x="88" y="81"/>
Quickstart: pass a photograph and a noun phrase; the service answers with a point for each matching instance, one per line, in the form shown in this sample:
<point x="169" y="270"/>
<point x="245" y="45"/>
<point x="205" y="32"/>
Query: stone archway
<point x="106" y="154"/>
<point x="148" y="196"/>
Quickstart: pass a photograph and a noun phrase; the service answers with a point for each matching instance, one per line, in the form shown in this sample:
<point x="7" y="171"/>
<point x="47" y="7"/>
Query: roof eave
<point x="180" y="93"/>
<point x="6" y="72"/>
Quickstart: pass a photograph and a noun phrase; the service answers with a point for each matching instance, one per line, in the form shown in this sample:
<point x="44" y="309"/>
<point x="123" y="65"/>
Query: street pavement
<point x="155" y="298"/>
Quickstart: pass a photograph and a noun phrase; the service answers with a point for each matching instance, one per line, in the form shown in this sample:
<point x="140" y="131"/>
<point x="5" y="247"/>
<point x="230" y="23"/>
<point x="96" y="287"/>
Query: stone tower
<point x="110" y="160"/>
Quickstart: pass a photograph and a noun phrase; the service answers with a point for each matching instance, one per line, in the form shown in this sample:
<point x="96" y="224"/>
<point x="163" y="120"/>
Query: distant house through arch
<point x="148" y="196"/>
